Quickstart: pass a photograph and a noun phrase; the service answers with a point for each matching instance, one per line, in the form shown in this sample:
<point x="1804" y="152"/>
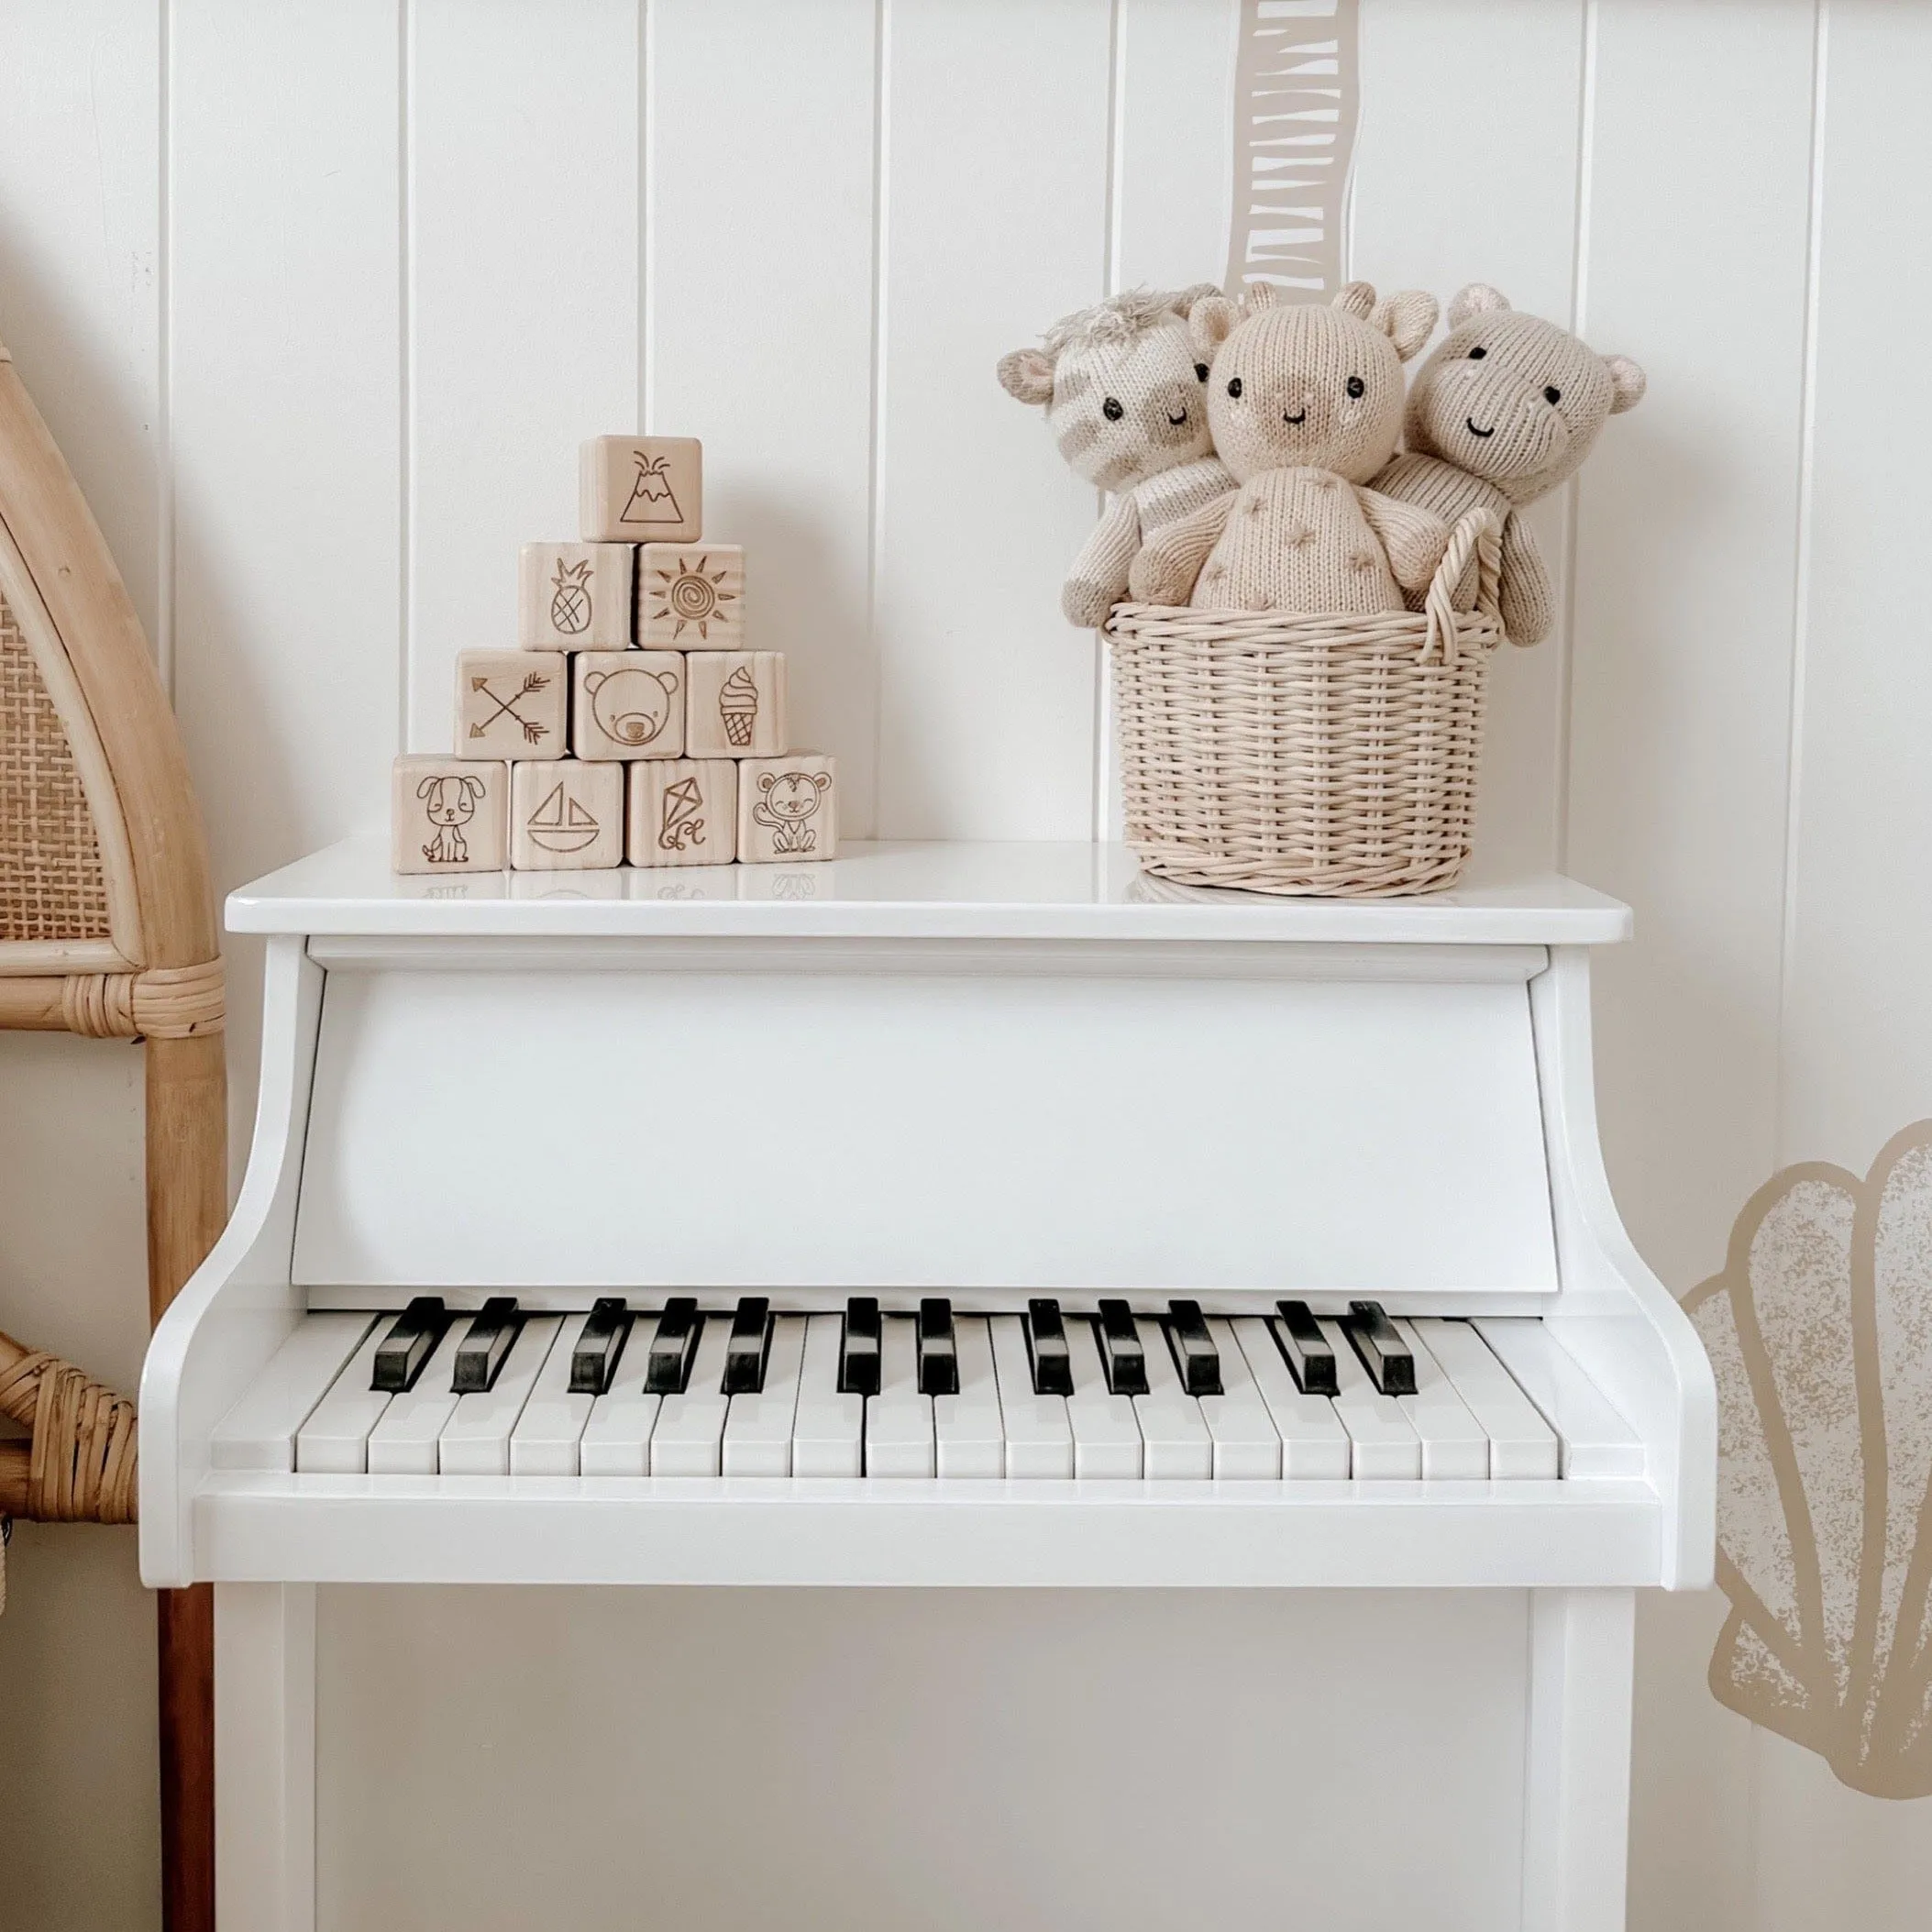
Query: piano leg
<point x="265" y="1756"/>
<point x="1577" y="1791"/>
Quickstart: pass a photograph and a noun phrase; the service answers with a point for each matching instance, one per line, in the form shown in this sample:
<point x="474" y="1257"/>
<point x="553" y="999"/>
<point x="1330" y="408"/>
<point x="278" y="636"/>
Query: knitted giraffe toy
<point x="1122" y="388"/>
<point x="1504" y="411"/>
<point x="1304" y="401"/>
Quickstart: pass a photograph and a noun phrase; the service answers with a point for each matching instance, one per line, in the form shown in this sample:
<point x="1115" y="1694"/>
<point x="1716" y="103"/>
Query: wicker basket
<point x="1333" y="755"/>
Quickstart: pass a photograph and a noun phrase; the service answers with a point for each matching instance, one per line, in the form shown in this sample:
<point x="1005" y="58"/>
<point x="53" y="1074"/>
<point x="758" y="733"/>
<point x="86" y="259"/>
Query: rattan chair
<point x="108" y="930"/>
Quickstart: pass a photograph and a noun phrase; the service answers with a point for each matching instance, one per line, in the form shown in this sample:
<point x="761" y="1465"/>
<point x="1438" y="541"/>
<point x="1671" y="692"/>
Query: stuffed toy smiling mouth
<point x="1470" y="425"/>
<point x="1297" y="420"/>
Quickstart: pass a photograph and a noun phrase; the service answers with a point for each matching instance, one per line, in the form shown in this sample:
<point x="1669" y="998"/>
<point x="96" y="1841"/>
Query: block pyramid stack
<point x="631" y="725"/>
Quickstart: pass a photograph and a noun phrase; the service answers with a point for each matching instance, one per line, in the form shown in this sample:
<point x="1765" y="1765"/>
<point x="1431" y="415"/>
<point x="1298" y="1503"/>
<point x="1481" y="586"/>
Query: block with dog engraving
<point x="641" y="490"/>
<point x="627" y="704"/>
<point x="788" y="809"/>
<point x="449" y="815"/>
<point x="566" y="815"/>
<point x="512" y="704"/>
<point x="683" y="812"/>
<point x="574" y="597"/>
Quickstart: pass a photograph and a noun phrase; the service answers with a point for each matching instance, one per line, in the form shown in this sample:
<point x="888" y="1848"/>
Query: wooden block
<point x="565" y="816"/>
<point x="574" y="597"/>
<point x="737" y="704"/>
<point x="638" y="490"/>
<point x="627" y="705"/>
<point x="691" y="595"/>
<point x="511" y="704"/>
<point x="788" y="809"/>
<point x="683" y="812"/>
<point x="449" y="815"/>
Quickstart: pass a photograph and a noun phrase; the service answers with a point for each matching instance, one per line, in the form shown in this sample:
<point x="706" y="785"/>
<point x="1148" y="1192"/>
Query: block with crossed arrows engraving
<point x="512" y="704"/>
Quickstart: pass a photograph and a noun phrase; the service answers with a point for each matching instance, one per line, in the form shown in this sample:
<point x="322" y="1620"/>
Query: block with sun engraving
<point x="690" y="597"/>
<point x="566" y="815"/>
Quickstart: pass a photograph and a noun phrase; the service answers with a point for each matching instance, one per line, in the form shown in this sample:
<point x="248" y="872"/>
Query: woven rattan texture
<point x="1329" y="756"/>
<point x="52" y="886"/>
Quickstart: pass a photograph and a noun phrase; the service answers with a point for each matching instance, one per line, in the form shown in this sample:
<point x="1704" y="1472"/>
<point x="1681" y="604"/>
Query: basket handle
<point x="1477" y="535"/>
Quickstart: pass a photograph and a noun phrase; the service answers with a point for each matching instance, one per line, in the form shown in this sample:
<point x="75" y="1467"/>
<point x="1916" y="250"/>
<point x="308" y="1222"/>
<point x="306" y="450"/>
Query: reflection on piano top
<point x="950" y="890"/>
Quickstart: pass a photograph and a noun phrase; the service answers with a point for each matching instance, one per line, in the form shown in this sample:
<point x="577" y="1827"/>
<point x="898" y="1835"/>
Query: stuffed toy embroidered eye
<point x="1552" y="395"/>
<point x="1356" y="386"/>
<point x="1200" y="371"/>
<point x="1477" y="353"/>
<point x="1234" y="388"/>
<point x="1111" y="409"/>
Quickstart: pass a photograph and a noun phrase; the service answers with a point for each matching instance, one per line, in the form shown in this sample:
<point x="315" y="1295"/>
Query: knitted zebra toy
<point x="1123" y="389"/>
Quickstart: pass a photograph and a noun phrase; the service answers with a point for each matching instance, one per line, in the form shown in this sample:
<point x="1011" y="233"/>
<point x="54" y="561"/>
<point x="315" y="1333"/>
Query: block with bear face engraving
<point x="627" y="704"/>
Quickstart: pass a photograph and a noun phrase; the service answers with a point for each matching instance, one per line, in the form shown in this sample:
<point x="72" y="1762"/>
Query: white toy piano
<point x="948" y="1215"/>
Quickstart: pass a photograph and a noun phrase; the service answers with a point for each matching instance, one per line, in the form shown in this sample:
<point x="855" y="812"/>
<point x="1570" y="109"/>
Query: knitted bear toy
<point x="1122" y="388"/>
<point x="1304" y="401"/>
<point x="1504" y="411"/>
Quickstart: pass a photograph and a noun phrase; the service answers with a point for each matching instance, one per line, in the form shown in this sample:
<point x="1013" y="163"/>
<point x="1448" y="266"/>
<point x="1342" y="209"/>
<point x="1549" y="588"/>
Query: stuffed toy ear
<point x="1027" y="375"/>
<point x="1477" y="299"/>
<point x="1183" y="299"/>
<point x="1628" y="383"/>
<point x="1208" y="323"/>
<point x="1356" y="299"/>
<point x="1408" y="319"/>
<point x="1257" y="296"/>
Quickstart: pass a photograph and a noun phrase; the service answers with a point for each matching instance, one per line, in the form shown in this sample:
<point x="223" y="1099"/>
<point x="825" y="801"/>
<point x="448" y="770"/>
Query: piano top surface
<point x="958" y="889"/>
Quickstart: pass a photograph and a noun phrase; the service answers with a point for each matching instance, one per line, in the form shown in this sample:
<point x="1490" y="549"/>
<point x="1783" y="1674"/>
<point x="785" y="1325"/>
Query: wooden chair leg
<point x="187" y="1208"/>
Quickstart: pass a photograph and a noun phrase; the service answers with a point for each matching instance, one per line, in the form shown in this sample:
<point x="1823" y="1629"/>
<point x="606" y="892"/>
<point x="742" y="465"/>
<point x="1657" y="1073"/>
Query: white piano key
<point x="969" y="1439"/>
<point x="1106" y="1431"/>
<point x="1455" y="1446"/>
<point x="616" y="1439"/>
<point x="1522" y="1446"/>
<point x="899" y="1419"/>
<point x="545" y="1440"/>
<point x="403" y="1443"/>
<point x="1039" y="1440"/>
<point x="757" y="1431"/>
<point x="260" y="1432"/>
<point x="689" y="1435"/>
<point x="476" y="1440"/>
<point x="1315" y="1447"/>
<point x="1175" y="1443"/>
<point x="1383" y="1447"/>
<point x="1596" y="1440"/>
<point x="333" y="1441"/>
<point x="828" y="1434"/>
<point x="1246" y="1447"/>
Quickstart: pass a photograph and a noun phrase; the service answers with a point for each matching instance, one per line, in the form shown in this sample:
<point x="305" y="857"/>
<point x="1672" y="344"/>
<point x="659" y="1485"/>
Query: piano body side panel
<point x="1614" y="1314"/>
<point x="815" y="1127"/>
<point x="240" y="1304"/>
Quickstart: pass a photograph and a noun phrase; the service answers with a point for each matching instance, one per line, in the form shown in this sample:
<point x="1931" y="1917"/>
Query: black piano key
<point x="669" y="1367"/>
<point x="858" y="1359"/>
<point x="938" y="1351"/>
<point x="400" y="1355"/>
<point x="599" y="1345"/>
<point x="1121" y="1353"/>
<point x="1383" y="1352"/>
<point x="1194" y="1355"/>
<point x="480" y="1355"/>
<point x="1305" y="1349"/>
<point x="1046" y="1353"/>
<point x="749" y="1348"/>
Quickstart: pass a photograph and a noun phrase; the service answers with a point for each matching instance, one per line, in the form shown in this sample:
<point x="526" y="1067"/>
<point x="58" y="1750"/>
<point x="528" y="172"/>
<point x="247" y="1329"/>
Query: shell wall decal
<point x="1819" y="1329"/>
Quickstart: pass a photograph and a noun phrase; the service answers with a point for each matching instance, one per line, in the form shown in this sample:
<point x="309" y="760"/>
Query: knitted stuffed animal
<point x="1306" y="404"/>
<point x="1122" y="388"/>
<point x="1503" y="411"/>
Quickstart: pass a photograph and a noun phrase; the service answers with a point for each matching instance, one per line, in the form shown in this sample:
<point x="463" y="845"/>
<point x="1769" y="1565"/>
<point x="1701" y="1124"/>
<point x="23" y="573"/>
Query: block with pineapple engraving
<point x="511" y="704"/>
<point x="627" y="704"/>
<point x="737" y="704"/>
<point x="574" y="597"/>
<point x="566" y="815"/>
<point x="641" y="490"/>
<point x="690" y="597"/>
<point x="449" y="815"/>
<point x="683" y="812"/>
<point x="788" y="809"/>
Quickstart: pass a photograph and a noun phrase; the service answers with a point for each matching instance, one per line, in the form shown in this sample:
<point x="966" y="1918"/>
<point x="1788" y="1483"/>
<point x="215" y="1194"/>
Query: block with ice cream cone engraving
<point x="690" y="597"/>
<point x="641" y="490"/>
<point x="737" y="704"/>
<point x="627" y="704"/>
<point x="683" y="812"/>
<point x="566" y="815"/>
<point x="574" y="597"/>
<point x="788" y="809"/>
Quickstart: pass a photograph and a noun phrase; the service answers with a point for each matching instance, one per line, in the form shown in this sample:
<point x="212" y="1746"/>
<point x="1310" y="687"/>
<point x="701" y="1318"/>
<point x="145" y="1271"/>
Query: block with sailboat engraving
<point x="683" y="812"/>
<point x="566" y="815"/>
<point x="641" y="490"/>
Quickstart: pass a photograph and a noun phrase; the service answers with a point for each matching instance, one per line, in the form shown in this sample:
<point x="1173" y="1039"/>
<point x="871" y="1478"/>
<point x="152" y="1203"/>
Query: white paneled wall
<point x="319" y="297"/>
